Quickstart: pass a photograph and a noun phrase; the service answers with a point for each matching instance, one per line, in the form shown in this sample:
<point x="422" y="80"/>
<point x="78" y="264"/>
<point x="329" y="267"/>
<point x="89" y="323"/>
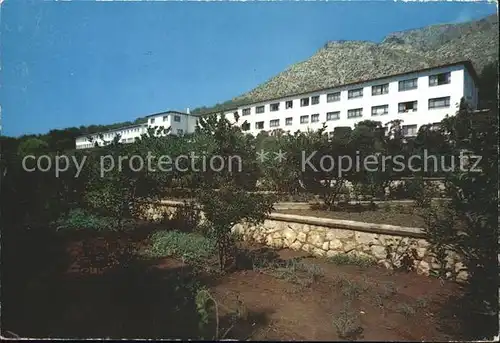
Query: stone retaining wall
<point x="387" y="245"/>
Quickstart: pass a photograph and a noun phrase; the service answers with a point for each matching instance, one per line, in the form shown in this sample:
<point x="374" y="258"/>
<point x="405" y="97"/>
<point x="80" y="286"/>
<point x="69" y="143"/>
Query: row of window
<point x="356" y="113"/>
<point x="404" y="85"/>
<point x="165" y="118"/>
<point x="121" y="133"/>
<point x="113" y="134"/>
<point x="408" y="130"/>
<point x="124" y="140"/>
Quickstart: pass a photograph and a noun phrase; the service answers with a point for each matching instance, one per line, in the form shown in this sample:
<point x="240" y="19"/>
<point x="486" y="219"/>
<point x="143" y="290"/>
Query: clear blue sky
<point x="80" y="63"/>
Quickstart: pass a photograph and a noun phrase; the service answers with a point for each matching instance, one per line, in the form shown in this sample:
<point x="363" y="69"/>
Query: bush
<point x="228" y="207"/>
<point x="188" y="246"/>
<point x="352" y="259"/>
<point x="473" y="203"/>
<point x="79" y="219"/>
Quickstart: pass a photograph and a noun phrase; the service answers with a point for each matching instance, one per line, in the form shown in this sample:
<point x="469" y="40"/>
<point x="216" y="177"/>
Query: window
<point x="409" y="106"/>
<point x="152" y="120"/>
<point x="289" y="121"/>
<point x="274" y="123"/>
<point x="380" y="89"/>
<point x="180" y="131"/>
<point x="355" y="93"/>
<point x="406" y="85"/>
<point x="259" y="125"/>
<point x="333" y="115"/>
<point x="245" y="126"/>
<point x="410" y="130"/>
<point x="259" y="109"/>
<point x="355" y="113"/>
<point x="246" y="111"/>
<point x="439" y="79"/>
<point x="177" y="118"/>
<point x="380" y="110"/>
<point x="165" y="118"/>
<point x="315" y="118"/>
<point x="289" y="104"/>
<point x="439" y="102"/>
<point x="304" y="119"/>
<point x="315" y="100"/>
<point x="332" y="97"/>
<point x="304" y="102"/>
<point x="274" y="107"/>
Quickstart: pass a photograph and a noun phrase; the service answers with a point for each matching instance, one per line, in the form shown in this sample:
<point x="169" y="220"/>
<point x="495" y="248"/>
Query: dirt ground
<point x="398" y="215"/>
<point x="121" y="297"/>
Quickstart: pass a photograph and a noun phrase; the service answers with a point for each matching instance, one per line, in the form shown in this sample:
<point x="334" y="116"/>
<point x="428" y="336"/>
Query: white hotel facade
<point x="418" y="98"/>
<point x="178" y="122"/>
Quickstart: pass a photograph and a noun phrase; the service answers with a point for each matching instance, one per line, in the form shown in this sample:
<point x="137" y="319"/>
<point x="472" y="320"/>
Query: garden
<point x="79" y="259"/>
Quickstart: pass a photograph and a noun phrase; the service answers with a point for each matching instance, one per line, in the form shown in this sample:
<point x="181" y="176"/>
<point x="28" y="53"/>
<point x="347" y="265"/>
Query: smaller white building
<point x="179" y="123"/>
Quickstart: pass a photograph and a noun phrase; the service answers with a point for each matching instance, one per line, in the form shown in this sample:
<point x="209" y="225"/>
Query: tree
<point x="226" y="145"/>
<point x="32" y="146"/>
<point x="368" y="141"/>
<point x="319" y="163"/>
<point x="227" y="207"/>
<point x="231" y="203"/>
<point x="468" y="225"/>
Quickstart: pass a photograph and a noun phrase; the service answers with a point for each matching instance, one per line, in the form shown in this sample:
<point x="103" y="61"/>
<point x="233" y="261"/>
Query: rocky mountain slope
<point x="340" y="62"/>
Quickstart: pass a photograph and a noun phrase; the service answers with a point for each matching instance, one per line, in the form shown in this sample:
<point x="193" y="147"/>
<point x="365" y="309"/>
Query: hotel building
<point x="419" y="97"/>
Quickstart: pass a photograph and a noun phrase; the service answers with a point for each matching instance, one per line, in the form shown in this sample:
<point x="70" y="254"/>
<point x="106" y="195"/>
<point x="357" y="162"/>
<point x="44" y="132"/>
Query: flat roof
<point x="138" y="125"/>
<point x="173" y="112"/>
<point x="467" y="63"/>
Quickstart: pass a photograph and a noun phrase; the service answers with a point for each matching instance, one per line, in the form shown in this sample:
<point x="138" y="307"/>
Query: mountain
<point x="341" y="62"/>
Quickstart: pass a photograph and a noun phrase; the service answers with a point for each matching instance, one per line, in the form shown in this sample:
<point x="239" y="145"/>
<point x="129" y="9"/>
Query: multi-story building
<point x="419" y="97"/>
<point x="178" y="122"/>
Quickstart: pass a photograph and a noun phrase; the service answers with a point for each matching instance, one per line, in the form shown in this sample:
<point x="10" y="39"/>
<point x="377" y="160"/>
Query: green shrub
<point x="228" y="207"/>
<point x="188" y="246"/>
<point x="79" y="219"/>
<point x="351" y="259"/>
<point x="347" y="323"/>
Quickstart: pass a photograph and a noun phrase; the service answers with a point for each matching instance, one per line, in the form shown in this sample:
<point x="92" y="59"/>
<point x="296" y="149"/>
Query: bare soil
<point x="400" y="215"/>
<point x="122" y="297"/>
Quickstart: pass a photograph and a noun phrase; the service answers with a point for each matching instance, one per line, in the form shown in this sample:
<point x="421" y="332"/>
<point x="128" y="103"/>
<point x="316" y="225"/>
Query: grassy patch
<point x="406" y="310"/>
<point x="422" y="303"/>
<point x="351" y="289"/>
<point x="188" y="246"/>
<point x="79" y="219"/>
<point x="351" y="259"/>
<point x="388" y="290"/>
<point x="295" y="271"/>
<point x="347" y="323"/>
